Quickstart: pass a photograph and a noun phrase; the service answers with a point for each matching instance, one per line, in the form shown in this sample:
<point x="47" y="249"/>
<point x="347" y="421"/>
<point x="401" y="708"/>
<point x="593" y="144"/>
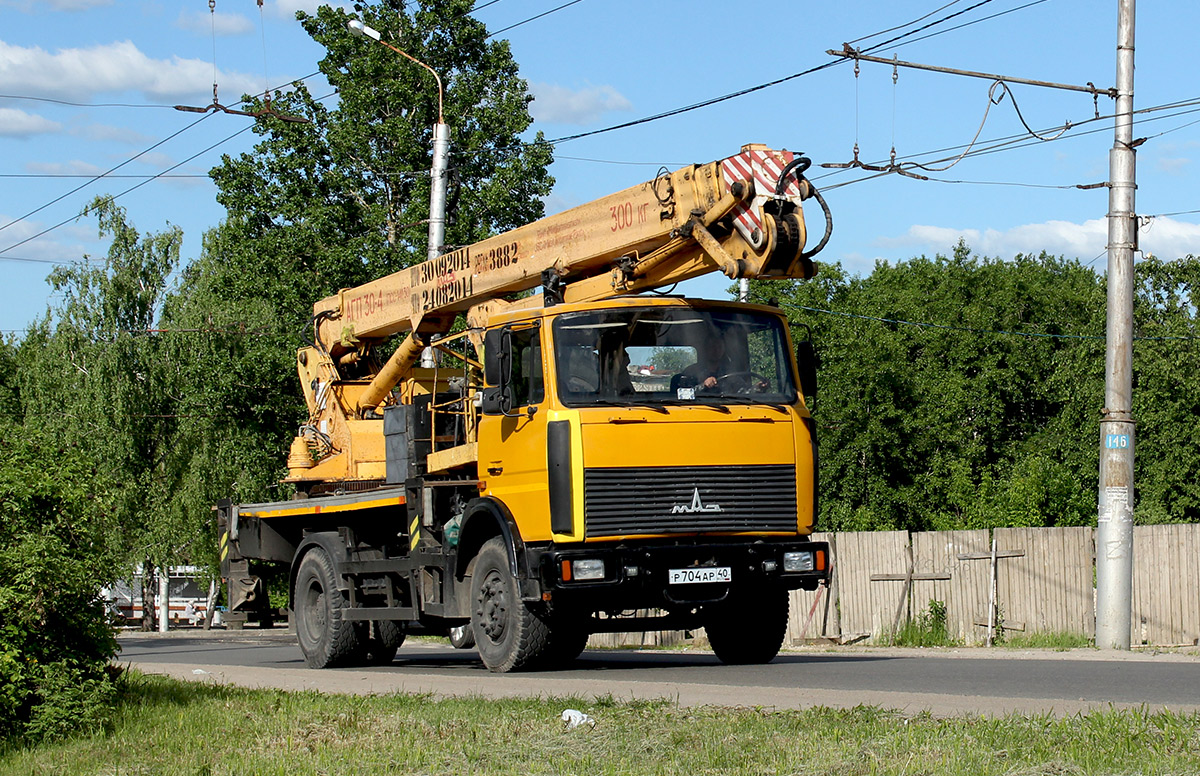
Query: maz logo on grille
<point x="696" y="506"/>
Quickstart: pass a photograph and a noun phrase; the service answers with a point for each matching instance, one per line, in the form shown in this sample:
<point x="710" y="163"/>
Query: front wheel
<point x="508" y="633"/>
<point x="748" y="626"/>
<point x="326" y="637"/>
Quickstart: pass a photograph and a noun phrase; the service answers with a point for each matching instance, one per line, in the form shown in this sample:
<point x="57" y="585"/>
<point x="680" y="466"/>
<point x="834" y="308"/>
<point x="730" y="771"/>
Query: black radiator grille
<point x="660" y="500"/>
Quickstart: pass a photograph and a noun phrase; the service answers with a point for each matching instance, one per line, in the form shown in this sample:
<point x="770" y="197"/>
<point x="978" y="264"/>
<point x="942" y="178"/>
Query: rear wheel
<point x="386" y="638"/>
<point x="508" y="633"/>
<point x="462" y="637"/>
<point x="748" y="626"/>
<point x="326" y="637"/>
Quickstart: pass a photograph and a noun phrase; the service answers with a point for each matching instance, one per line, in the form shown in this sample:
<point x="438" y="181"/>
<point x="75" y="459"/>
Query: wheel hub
<point x="314" y="611"/>
<point x="492" y="607"/>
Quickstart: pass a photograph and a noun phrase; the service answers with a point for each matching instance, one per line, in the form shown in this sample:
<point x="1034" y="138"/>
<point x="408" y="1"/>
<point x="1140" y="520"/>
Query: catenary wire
<point x="533" y="18"/>
<point x="906" y="24"/>
<point x="759" y="87"/>
<point x="64" y="222"/>
<point x="81" y="186"/>
<point x="969" y="329"/>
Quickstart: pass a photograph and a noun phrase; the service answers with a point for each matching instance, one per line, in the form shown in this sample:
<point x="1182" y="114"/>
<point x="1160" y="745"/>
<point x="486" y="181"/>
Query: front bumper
<point x="636" y="574"/>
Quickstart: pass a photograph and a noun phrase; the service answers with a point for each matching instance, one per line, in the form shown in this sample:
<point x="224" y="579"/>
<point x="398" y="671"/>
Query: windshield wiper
<point x="617" y="403"/>
<point x="746" y="400"/>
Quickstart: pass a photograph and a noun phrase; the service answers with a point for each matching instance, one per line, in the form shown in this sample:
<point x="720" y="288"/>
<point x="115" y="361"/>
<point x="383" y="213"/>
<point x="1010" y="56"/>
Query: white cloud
<point x="18" y="123"/>
<point x="73" y="167"/>
<point x="1172" y="166"/>
<point x="1164" y="237"/>
<point x="82" y="73"/>
<point x="1169" y="239"/>
<point x="222" y="23"/>
<point x="1057" y="237"/>
<point x="560" y="105"/>
<point x="64" y="244"/>
<point x="109" y="133"/>
<point x="55" y="5"/>
<point x="156" y="159"/>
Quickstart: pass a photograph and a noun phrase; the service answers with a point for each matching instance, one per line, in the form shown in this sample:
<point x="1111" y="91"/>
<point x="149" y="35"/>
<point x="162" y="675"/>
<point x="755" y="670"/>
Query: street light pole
<point x="1114" y="527"/>
<point x="437" y="172"/>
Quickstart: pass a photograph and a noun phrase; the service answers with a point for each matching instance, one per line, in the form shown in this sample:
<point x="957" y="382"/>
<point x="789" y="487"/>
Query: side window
<point x="527" y="384"/>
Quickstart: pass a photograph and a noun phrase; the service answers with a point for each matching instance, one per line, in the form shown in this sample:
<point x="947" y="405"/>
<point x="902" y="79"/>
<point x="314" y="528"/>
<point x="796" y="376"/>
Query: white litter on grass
<point x="575" y="718"/>
<point x="199" y="672"/>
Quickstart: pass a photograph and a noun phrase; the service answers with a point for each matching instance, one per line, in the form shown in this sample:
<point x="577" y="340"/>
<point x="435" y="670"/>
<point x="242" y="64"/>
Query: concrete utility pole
<point x="1114" y="529"/>
<point x="437" y="173"/>
<point x="437" y="207"/>
<point x="437" y="189"/>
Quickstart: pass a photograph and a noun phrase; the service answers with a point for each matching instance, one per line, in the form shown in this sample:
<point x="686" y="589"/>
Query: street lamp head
<point x="361" y="30"/>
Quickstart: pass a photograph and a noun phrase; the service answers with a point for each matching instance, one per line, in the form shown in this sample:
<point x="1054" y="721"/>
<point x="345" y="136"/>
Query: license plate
<point x="694" y="576"/>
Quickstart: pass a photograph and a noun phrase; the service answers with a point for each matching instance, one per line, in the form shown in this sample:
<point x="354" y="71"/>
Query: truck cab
<point x="653" y="453"/>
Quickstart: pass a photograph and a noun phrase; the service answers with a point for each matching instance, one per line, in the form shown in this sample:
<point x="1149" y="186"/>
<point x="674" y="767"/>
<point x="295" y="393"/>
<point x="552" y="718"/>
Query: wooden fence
<point x="1020" y="580"/>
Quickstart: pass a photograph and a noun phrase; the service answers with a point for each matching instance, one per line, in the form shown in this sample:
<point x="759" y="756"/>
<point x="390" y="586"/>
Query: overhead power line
<point x="92" y="175"/>
<point x="533" y="18"/>
<point x="784" y="79"/>
<point x="81" y="186"/>
<point x="131" y="188"/>
<point x="119" y="166"/>
<point x="1008" y="143"/>
<point x="59" y="262"/>
<point x="970" y="329"/>
<point x="64" y="222"/>
<point x="83" y="104"/>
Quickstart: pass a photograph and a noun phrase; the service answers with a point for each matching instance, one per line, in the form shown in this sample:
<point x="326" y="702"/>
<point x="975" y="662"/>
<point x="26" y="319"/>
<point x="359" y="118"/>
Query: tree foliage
<point x="964" y="392"/>
<point x="93" y="374"/>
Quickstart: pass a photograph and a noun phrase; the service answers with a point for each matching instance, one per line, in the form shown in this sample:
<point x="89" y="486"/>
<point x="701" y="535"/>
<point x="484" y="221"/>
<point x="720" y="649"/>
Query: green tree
<point x="959" y="423"/>
<point x="333" y="203"/>
<point x="10" y="403"/>
<point x="345" y="198"/>
<point x="1166" y="394"/>
<point x="92" y="374"/>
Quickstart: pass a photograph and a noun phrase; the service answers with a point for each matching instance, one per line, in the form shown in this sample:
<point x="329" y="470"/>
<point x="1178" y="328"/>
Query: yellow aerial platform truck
<point x="569" y="458"/>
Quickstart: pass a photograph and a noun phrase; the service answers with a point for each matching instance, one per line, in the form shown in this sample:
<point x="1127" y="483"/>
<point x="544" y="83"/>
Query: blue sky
<point x="599" y="63"/>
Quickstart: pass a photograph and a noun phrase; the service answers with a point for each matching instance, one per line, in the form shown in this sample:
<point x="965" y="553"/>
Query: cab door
<point x="512" y="430"/>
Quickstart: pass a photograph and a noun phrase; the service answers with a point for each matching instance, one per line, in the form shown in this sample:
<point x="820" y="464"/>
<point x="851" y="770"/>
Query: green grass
<point x="1056" y="641"/>
<point x="927" y="630"/>
<point x="190" y="729"/>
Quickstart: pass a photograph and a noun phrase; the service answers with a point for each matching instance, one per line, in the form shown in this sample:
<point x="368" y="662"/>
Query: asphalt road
<point x="942" y="681"/>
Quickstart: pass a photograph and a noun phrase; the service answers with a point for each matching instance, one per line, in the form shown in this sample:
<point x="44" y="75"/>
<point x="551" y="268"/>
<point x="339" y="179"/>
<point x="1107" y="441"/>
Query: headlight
<point x="797" y="561"/>
<point x="586" y="570"/>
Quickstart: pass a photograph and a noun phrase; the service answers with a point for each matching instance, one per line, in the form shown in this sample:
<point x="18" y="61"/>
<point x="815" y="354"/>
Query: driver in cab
<point x="710" y="366"/>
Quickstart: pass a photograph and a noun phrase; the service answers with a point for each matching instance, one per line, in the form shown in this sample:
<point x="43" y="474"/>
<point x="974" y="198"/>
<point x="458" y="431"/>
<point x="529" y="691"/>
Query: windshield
<point x="664" y="355"/>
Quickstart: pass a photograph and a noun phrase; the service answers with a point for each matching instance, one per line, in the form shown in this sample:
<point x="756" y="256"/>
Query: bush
<point x="56" y="640"/>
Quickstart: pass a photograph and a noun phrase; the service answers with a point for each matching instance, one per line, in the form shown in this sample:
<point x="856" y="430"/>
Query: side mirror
<point x="497" y="372"/>
<point x="491" y="356"/>
<point x="491" y="401"/>
<point x="806" y="362"/>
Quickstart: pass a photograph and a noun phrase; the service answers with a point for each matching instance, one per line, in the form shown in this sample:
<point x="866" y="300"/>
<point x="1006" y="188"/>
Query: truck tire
<point x="386" y="638"/>
<point x="508" y="633"/>
<point x="748" y="627"/>
<point x="326" y="637"/>
<point x="462" y="637"/>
